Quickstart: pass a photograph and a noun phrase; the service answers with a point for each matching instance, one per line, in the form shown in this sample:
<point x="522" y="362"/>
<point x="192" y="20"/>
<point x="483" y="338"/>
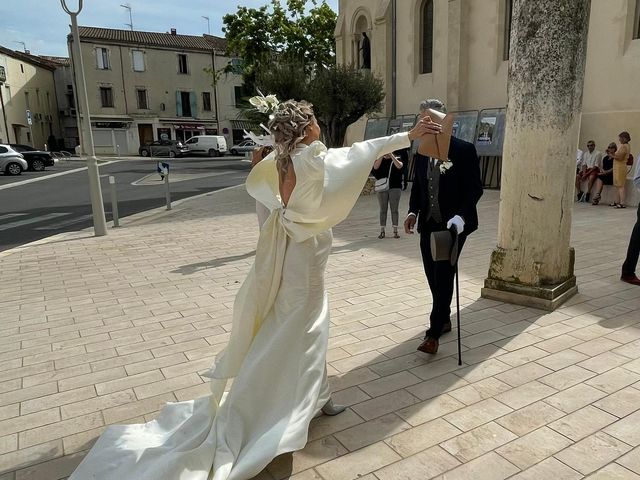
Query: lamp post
<point x="3" y="78"/>
<point x="95" y="191"/>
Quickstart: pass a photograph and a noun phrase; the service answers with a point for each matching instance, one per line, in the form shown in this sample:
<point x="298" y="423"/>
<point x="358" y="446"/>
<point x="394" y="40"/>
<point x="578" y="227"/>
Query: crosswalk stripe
<point x="11" y="215"/>
<point x="27" y="221"/>
<point x="65" y="223"/>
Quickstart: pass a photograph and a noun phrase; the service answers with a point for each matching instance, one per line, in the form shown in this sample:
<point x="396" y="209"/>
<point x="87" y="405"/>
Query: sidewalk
<point x="96" y="331"/>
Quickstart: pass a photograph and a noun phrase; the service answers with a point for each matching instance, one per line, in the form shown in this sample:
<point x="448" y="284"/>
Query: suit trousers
<point x="633" y="251"/>
<point x="440" y="276"/>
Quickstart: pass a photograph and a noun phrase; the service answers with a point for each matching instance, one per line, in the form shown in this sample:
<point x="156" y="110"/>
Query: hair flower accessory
<point x="267" y="105"/>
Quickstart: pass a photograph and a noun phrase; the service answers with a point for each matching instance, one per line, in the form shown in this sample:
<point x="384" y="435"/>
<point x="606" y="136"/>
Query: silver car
<point x="11" y="162"/>
<point x="242" y="147"/>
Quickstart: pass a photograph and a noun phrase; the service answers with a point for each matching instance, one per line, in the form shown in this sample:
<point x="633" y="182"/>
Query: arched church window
<point x="426" y="44"/>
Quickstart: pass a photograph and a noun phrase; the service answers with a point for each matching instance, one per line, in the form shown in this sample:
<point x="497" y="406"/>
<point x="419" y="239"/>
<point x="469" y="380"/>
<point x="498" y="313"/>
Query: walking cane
<point x="458" y="316"/>
<point x="444" y="247"/>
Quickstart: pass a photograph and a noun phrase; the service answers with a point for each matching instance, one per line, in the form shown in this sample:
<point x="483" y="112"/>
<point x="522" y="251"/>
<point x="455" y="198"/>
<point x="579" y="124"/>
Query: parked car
<point x="38" y="160"/>
<point x="243" y="147"/>
<point x="11" y="162"/>
<point x="211" y="145"/>
<point x="163" y="148"/>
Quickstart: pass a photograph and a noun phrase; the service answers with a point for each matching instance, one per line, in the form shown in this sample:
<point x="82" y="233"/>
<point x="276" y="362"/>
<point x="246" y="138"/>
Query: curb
<point x="135" y="218"/>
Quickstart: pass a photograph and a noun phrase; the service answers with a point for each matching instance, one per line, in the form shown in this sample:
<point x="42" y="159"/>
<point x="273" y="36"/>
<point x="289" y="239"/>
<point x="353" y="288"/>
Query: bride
<point x="277" y="349"/>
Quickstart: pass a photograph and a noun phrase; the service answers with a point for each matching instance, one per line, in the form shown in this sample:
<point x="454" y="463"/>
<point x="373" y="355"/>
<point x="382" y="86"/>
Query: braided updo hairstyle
<point x="288" y="126"/>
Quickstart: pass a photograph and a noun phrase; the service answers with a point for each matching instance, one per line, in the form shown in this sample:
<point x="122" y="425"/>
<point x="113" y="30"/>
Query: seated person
<point x="590" y="167"/>
<point x="605" y="176"/>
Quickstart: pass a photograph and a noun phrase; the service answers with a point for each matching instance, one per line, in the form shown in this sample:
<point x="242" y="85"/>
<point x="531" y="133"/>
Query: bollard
<point x="114" y="201"/>
<point x="167" y="192"/>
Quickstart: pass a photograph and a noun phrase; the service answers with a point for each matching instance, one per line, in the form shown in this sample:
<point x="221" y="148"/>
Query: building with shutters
<point x="27" y="84"/>
<point x="146" y="86"/>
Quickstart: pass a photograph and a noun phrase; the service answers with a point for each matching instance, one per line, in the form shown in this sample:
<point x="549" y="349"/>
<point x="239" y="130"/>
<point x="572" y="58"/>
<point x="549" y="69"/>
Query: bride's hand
<point x="423" y="127"/>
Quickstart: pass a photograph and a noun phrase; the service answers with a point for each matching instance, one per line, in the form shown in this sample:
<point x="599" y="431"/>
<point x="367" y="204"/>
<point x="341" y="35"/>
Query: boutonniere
<point x="444" y="166"/>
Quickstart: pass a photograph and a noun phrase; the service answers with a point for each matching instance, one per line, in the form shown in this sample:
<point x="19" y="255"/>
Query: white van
<point x="211" y="145"/>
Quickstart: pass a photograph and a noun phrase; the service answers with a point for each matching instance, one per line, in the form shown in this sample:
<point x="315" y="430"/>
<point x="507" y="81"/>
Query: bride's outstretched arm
<point x="378" y="147"/>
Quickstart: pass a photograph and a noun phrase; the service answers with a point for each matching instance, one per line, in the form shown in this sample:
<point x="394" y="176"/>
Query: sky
<point x="43" y="26"/>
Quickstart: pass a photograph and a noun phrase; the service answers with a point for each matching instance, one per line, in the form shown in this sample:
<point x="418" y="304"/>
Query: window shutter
<point x="194" y="104"/>
<point x="138" y="61"/>
<point x="178" y="103"/>
<point x="99" y="58"/>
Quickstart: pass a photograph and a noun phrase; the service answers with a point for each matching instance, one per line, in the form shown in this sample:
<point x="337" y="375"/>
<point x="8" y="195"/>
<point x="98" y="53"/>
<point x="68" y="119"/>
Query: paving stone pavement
<point x="96" y="331"/>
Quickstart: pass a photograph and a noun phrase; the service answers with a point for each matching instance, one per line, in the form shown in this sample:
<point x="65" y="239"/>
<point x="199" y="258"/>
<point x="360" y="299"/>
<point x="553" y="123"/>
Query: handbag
<point x="630" y="160"/>
<point x="382" y="184"/>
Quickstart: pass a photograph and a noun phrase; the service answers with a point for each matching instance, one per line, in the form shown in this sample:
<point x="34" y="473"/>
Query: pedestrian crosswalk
<point x="46" y="221"/>
<point x="65" y="223"/>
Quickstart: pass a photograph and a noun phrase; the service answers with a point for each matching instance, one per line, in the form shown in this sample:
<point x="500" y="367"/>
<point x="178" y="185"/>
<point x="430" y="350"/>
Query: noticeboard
<point x="464" y="125"/>
<point x="489" y="136"/>
<point x="376" y="127"/>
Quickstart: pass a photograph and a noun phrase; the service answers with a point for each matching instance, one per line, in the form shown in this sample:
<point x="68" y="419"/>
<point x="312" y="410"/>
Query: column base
<point x="545" y="298"/>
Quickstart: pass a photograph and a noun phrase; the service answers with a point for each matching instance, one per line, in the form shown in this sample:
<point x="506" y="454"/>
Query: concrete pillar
<point x="454" y="42"/>
<point x="533" y="261"/>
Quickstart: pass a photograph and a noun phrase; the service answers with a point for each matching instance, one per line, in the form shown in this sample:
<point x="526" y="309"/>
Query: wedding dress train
<point x="277" y="349"/>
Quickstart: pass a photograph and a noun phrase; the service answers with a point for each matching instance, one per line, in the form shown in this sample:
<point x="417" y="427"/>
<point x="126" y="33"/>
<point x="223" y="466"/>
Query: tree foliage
<point x="340" y="94"/>
<point x="289" y="51"/>
<point x="284" y="30"/>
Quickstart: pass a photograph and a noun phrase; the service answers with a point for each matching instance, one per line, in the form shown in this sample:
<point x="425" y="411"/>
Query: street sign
<point x="163" y="169"/>
<point x="29" y="117"/>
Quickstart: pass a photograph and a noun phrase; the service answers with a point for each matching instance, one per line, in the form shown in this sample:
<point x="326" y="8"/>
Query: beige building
<point x="28" y="85"/>
<point x="146" y="86"/>
<point x="458" y="50"/>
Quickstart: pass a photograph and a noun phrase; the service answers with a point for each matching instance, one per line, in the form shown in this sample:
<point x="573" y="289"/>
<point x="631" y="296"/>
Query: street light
<point x="95" y="191"/>
<point x="128" y="7"/>
<point x="208" y="24"/>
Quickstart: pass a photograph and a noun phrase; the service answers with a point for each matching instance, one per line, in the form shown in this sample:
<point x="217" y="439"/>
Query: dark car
<point x="163" y="148"/>
<point x="38" y="160"/>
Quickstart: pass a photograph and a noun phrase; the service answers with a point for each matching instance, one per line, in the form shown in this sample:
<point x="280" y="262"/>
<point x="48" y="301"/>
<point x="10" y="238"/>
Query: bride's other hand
<point x="423" y="127"/>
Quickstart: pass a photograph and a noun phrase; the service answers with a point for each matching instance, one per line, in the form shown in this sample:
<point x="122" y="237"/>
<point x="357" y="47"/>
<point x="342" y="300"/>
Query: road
<point x="37" y="205"/>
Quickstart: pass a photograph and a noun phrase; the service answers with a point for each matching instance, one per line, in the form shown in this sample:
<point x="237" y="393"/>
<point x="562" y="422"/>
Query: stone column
<point x="533" y="261"/>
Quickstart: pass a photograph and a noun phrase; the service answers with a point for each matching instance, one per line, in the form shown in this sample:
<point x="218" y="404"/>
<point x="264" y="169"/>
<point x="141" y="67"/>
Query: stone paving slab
<point x="96" y="331"/>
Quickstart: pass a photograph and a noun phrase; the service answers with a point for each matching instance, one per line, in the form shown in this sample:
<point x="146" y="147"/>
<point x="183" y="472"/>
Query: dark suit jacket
<point x="460" y="187"/>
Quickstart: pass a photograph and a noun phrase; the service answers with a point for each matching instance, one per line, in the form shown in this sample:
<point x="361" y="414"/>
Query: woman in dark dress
<point x="605" y="177"/>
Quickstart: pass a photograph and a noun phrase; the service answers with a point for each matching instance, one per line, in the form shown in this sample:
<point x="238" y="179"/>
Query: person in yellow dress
<point x="620" y="157"/>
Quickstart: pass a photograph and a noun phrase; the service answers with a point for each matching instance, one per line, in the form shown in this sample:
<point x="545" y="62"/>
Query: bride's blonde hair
<point x="288" y="126"/>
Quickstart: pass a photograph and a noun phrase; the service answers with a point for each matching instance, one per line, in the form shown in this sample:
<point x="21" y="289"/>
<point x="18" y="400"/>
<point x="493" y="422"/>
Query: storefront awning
<point x="185" y="122"/>
<point x="244" y="125"/>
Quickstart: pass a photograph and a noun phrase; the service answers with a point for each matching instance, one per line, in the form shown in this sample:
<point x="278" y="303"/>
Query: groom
<point x="439" y="200"/>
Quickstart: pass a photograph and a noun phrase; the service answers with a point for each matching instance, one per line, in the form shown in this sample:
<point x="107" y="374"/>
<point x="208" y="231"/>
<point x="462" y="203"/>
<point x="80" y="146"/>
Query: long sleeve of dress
<point x="323" y="196"/>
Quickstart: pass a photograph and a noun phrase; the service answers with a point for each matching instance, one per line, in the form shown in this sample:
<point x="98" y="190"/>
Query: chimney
<point x="28" y="52"/>
<point x="174" y="31"/>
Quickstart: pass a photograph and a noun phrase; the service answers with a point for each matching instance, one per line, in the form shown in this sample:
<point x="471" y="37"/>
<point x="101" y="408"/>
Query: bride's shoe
<point x="331" y="409"/>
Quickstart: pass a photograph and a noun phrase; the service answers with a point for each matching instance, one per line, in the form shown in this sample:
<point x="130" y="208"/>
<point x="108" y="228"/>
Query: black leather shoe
<point x="446" y="328"/>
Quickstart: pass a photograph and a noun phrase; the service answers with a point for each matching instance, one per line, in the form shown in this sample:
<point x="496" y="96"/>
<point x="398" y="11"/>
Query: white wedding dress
<point x="277" y="350"/>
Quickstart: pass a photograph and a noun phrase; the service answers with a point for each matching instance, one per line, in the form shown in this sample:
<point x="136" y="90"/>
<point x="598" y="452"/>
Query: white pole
<point x="167" y="191"/>
<point x="95" y="190"/>
<point x="114" y="202"/>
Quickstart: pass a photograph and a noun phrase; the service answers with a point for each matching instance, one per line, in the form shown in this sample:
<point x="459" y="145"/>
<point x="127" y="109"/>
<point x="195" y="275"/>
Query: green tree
<point x="290" y="52"/>
<point x="283" y="30"/>
<point x="341" y="94"/>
